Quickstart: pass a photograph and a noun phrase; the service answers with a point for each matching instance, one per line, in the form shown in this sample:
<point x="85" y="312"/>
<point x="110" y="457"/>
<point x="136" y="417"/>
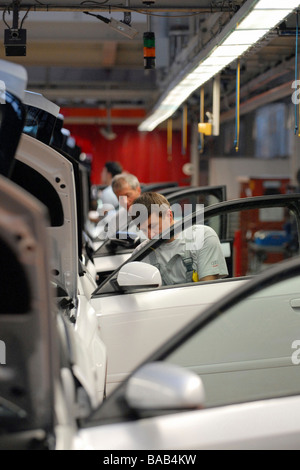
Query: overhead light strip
<point x="257" y="19"/>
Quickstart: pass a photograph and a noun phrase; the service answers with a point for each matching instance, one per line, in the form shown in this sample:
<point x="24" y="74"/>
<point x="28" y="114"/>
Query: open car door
<point x="42" y="172"/>
<point x="28" y="370"/>
<point x="49" y="177"/>
<point x="40" y="123"/>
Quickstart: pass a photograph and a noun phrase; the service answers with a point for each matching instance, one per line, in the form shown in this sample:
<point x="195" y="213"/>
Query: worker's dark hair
<point x="153" y="202"/>
<point x="114" y="168"/>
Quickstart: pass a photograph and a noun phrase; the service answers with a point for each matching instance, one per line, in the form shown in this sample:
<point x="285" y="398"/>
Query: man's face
<point x="156" y="224"/>
<point x="127" y="195"/>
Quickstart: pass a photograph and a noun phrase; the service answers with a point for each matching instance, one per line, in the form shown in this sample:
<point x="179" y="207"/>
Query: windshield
<point x="10" y="303"/>
<point x="39" y="124"/>
<point x="37" y="185"/>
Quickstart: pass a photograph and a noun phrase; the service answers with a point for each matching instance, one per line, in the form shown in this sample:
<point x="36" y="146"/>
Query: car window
<point x="189" y="203"/>
<point x="37" y="185"/>
<point x="10" y="303"/>
<point x="11" y="125"/>
<point x="183" y="202"/>
<point x="252" y="240"/>
<point x="39" y="124"/>
<point x="249" y="351"/>
<point x="258" y="238"/>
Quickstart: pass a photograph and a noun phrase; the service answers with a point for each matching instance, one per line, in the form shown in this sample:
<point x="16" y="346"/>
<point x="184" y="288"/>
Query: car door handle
<point x="295" y="303"/>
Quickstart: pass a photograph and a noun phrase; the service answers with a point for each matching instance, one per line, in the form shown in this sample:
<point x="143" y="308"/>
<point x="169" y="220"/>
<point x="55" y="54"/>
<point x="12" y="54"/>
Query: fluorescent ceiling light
<point x="230" y="51"/>
<point x="252" y="23"/>
<point x="216" y="61"/>
<point x="257" y="20"/>
<point x="277" y="4"/>
<point x="245" y="37"/>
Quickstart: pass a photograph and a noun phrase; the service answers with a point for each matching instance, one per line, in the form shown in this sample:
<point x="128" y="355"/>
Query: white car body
<point x="262" y="425"/>
<point x="246" y="352"/>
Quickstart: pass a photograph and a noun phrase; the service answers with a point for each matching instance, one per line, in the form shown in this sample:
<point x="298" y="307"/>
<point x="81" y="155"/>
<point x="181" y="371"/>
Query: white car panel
<point x="89" y="352"/>
<point x="268" y="424"/>
<point x="250" y="336"/>
<point x="59" y="172"/>
<point x="253" y="348"/>
<point x="134" y="325"/>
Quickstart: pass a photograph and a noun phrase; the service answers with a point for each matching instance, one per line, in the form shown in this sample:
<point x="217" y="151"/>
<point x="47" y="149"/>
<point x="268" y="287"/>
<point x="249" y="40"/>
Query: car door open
<point x="27" y="323"/>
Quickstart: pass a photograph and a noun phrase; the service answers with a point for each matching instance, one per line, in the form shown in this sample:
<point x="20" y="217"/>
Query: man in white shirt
<point x="107" y="196"/>
<point x="194" y="255"/>
<point x="127" y="188"/>
<point x="107" y="200"/>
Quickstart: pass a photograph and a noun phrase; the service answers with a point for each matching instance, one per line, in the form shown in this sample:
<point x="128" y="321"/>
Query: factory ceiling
<point x="81" y="62"/>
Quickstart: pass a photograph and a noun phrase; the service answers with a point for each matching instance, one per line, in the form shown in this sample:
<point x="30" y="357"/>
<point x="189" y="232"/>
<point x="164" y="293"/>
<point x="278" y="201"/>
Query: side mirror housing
<point x="139" y="274"/>
<point x="162" y="386"/>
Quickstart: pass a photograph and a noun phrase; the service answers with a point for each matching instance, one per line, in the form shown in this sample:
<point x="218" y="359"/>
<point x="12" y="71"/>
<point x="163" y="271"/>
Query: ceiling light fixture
<point x="107" y="132"/>
<point x="121" y="26"/>
<point x="254" y="20"/>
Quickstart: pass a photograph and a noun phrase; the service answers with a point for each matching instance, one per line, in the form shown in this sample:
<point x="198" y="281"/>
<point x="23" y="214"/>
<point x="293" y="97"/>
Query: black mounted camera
<point x="15" y="42"/>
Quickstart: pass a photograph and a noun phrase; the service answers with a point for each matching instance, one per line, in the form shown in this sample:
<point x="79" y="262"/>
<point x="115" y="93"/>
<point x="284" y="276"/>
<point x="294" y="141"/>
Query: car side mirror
<point x="162" y="386"/>
<point x="139" y="274"/>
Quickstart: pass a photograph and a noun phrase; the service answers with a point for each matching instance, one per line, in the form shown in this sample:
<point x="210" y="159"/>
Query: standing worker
<point x="107" y="196"/>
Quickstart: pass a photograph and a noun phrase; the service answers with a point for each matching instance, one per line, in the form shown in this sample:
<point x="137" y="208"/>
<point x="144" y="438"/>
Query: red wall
<point x="142" y="154"/>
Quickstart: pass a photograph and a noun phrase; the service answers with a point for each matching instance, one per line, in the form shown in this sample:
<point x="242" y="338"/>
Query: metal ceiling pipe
<point x="121" y="8"/>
